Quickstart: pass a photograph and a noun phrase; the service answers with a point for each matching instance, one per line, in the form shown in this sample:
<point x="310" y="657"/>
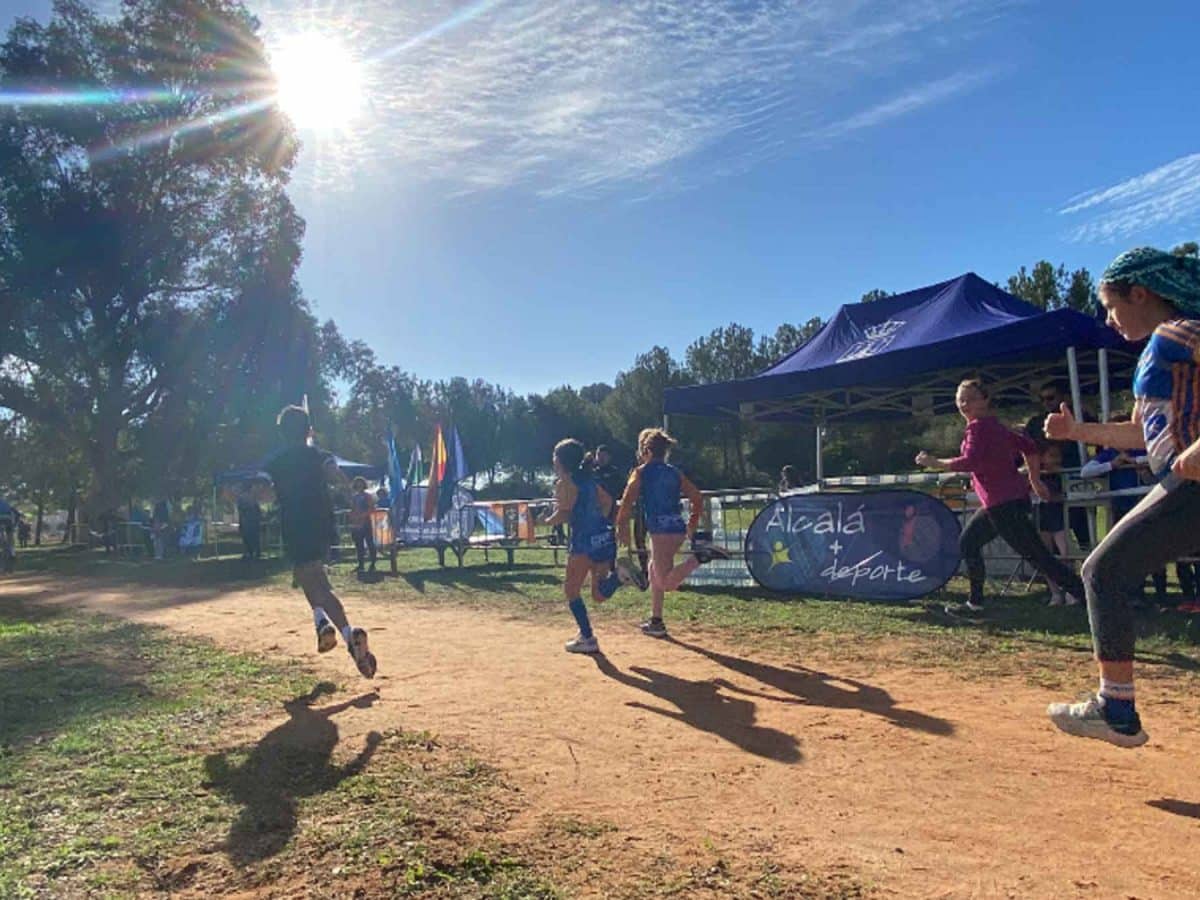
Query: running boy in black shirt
<point x="306" y="517"/>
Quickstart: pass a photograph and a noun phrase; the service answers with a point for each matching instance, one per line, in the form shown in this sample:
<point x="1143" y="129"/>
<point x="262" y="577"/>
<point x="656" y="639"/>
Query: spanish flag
<point x="437" y="471"/>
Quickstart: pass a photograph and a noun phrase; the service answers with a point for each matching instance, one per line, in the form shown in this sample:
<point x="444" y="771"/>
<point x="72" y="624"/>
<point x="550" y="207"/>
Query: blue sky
<point x="539" y="191"/>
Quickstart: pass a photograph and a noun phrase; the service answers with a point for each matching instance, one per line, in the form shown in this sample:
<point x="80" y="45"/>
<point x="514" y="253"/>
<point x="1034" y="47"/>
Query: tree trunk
<point x="37" y="528"/>
<point x="71" y="504"/>
<point x="103" y="459"/>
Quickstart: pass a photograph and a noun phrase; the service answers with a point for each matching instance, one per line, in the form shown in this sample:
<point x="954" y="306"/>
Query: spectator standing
<point x="250" y="523"/>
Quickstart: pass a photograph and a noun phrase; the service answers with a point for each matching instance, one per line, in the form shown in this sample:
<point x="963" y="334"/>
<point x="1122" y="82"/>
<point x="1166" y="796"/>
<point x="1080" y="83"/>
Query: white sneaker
<point x="1086" y="719"/>
<point x="1056" y="599"/>
<point x="583" y="645"/>
<point x="630" y="574"/>
<point x="973" y="606"/>
<point x="364" y="659"/>
<point x="1072" y="600"/>
<point x="327" y="636"/>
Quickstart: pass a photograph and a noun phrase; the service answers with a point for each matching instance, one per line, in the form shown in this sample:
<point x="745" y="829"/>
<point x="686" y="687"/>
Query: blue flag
<point x="456" y="471"/>
<point x="396" y="483"/>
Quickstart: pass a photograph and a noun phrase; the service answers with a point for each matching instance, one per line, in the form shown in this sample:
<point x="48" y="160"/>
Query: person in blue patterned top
<point x="583" y="503"/>
<point x="1154" y="295"/>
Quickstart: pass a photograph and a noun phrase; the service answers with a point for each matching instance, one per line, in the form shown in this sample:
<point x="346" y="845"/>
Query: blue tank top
<point x="661" y="504"/>
<point x="587" y="518"/>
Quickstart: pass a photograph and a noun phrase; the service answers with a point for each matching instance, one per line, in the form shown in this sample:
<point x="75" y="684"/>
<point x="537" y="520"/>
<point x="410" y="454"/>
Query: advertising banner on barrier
<point x="885" y="545"/>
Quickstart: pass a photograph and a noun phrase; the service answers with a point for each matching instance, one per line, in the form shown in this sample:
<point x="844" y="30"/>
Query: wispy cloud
<point x="577" y="97"/>
<point x="1168" y="195"/>
<point x="910" y="101"/>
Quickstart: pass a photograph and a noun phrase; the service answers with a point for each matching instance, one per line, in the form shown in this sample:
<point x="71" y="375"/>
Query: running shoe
<point x="655" y="628"/>
<point x="1087" y="719"/>
<point x="363" y="657"/>
<point x="326" y="636"/>
<point x="583" y="645"/>
<point x="629" y="574"/>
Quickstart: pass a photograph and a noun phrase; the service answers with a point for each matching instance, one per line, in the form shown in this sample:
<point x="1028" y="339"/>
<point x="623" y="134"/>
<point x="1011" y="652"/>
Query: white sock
<point x="1116" y="690"/>
<point x="319" y="615"/>
<point x="348" y="634"/>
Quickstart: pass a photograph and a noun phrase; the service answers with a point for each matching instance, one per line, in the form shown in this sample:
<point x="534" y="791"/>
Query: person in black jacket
<point x="300" y="472"/>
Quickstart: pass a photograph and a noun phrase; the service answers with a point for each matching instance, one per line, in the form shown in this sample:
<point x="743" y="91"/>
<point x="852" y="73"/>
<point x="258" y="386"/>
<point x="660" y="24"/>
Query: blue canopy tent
<point x="355" y="469"/>
<point x="904" y="356"/>
<point x="254" y="473"/>
<point x="241" y="476"/>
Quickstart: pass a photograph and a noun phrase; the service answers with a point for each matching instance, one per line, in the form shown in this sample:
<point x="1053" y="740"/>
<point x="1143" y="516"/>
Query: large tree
<point x="142" y="180"/>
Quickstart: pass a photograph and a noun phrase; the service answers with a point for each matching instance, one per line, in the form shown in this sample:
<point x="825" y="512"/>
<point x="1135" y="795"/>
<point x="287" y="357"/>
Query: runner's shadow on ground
<point x="291" y="761"/>
<point x="703" y="705"/>
<point x="1178" y="807"/>
<point x="822" y="689"/>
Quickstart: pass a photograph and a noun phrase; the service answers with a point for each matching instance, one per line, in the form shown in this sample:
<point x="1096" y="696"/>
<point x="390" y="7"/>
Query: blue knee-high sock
<point x="609" y="584"/>
<point x="579" y="611"/>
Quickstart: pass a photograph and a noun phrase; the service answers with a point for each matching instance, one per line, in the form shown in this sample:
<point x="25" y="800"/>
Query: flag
<point x="437" y="471"/>
<point x="395" y="476"/>
<point x="414" y="479"/>
<point x="456" y="471"/>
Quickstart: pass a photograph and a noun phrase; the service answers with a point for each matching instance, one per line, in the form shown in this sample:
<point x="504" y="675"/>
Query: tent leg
<point x="666" y="422"/>
<point x="820" y="460"/>
<point x="1077" y="406"/>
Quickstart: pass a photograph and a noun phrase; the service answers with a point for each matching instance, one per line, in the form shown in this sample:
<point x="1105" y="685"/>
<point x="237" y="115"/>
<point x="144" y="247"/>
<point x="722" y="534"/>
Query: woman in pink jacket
<point x="989" y="453"/>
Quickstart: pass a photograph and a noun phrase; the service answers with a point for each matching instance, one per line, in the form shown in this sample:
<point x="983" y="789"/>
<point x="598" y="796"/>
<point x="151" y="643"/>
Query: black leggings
<point x="364" y="540"/>
<point x="1161" y="528"/>
<point x="1012" y="522"/>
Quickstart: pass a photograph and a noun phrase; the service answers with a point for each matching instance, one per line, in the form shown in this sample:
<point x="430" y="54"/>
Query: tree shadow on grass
<point x="703" y="705"/>
<point x="1028" y="619"/>
<point x="492" y="578"/>
<point x="175" y="571"/>
<point x="822" y="689"/>
<point x="292" y="761"/>
<point x="52" y="677"/>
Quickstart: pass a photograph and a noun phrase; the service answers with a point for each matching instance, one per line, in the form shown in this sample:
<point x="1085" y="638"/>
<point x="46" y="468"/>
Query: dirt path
<point x="921" y="784"/>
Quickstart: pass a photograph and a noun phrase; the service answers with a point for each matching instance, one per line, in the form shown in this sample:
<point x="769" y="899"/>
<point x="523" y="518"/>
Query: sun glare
<point x="320" y="84"/>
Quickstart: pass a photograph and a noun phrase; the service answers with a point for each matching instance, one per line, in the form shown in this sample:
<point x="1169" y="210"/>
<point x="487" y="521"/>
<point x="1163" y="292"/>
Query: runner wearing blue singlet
<point x="583" y="504"/>
<point x="661" y="489"/>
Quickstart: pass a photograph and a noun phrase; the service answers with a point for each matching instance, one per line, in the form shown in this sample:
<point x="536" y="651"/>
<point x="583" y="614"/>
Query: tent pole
<point x="212" y="515"/>
<point x="1076" y="396"/>
<point x="1105" y="399"/>
<point x="1077" y="405"/>
<point x="820" y="461"/>
<point x="666" y="422"/>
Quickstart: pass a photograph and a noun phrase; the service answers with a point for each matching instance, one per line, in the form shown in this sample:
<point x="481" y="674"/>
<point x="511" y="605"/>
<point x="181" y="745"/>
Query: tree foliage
<point x="131" y="232"/>
<point x="1049" y="287"/>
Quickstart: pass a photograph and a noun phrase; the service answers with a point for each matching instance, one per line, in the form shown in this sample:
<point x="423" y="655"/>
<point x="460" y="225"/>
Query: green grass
<point x="132" y="762"/>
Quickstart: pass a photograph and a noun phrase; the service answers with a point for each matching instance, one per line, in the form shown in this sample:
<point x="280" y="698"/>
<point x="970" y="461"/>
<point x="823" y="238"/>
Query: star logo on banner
<point x="780" y="555"/>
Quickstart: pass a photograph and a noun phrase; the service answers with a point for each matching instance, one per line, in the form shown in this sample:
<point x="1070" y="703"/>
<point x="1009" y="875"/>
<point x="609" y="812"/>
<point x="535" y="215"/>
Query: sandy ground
<point x="920" y="783"/>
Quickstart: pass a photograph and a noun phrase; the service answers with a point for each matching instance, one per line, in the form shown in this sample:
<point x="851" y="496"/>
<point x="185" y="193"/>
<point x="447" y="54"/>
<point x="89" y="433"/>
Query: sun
<point x="319" y="83"/>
